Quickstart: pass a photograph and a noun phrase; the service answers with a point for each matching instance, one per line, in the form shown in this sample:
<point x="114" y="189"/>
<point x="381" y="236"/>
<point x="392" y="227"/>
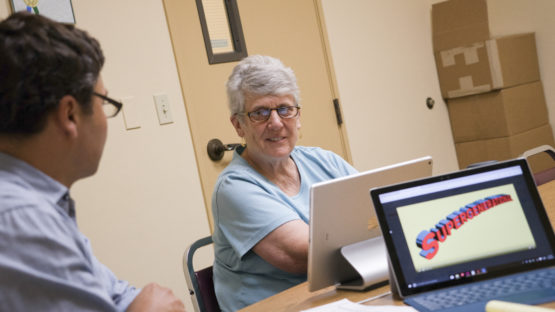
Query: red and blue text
<point x="429" y="240"/>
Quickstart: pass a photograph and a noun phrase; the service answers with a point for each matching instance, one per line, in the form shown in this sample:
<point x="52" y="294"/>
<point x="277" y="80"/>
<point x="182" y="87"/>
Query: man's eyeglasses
<point x="263" y="114"/>
<point x="110" y="106"/>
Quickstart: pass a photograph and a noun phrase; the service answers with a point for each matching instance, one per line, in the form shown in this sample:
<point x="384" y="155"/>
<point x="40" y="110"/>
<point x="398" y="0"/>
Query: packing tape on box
<point x="494" y="64"/>
<point x="470" y="54"/>
<point x="467" y="87"/>
<point x="503" y="306"/>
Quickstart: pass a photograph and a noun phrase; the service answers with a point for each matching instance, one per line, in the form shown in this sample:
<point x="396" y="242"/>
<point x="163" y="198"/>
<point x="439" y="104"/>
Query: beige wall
<point x="145" y="205"/>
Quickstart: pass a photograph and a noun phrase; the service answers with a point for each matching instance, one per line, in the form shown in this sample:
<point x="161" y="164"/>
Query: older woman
<point x="261" y="200"/>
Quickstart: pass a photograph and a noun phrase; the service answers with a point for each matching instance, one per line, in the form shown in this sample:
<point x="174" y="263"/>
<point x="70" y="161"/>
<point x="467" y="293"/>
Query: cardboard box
<point x="496" y="114"/>
<point x="507" y="148"/>
<point x="488" y="65"/>
<point x="458" y="23"/>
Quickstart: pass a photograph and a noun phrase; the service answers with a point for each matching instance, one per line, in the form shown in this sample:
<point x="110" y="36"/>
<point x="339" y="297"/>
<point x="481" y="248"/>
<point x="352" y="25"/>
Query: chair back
<point x="200" y="283"/>
<point x="545" y="175"/>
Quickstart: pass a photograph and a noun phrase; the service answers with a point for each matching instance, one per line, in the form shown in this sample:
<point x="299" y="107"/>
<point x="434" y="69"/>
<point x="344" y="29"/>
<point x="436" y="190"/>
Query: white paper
<point x="218" y="26"/>
<point x="345" y="305"/>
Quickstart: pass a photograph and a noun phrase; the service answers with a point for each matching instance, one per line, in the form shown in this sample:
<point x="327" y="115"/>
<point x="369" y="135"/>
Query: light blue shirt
<point x="246" y="207"/>
<point x="46" y="263"/>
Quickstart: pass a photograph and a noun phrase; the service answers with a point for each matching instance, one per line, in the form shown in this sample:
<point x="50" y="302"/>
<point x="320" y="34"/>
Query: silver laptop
<point x="458" y="240"/>
<point x="341" y="214"/>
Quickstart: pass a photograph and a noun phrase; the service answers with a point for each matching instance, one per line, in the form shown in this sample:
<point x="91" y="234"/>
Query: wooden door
<point x="385" y="69"/>
<point x="286" y="29"/>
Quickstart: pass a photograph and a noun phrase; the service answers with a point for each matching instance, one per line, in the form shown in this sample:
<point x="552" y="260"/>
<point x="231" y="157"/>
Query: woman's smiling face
<point x="273" y="139"/>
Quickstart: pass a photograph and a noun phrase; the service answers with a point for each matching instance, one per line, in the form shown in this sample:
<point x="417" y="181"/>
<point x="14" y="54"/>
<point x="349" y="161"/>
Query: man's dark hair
<point x="40" y="62"/>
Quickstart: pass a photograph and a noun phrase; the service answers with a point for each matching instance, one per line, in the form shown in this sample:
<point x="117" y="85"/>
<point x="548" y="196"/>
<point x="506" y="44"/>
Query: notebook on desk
<point x="481" y="231"/>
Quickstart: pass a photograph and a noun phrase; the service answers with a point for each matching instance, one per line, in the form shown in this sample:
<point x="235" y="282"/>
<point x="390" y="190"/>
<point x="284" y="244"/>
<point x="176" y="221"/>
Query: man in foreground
<point x="53" y="110"/>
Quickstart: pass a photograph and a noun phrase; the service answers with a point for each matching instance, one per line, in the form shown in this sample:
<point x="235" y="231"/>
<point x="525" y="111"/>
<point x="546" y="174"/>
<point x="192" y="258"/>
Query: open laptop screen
<point x="464" y="226"/>
<point x="341" y="214"/>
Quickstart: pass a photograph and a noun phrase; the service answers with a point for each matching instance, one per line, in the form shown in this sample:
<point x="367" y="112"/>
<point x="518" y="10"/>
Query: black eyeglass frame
<point x="297" y="108"/>
<point x="117" y="104"/>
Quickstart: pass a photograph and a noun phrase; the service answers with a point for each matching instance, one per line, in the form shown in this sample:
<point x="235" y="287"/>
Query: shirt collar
<point x="52" y="190"/>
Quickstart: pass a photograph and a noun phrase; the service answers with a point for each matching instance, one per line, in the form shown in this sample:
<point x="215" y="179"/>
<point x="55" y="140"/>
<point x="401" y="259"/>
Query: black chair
<point x="545" y="175"/>
<point x="200" y="283"/>
<point x="540" y="177"/>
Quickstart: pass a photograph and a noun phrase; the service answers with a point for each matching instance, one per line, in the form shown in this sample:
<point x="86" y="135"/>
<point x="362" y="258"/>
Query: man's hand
<point x="154" y="297"/>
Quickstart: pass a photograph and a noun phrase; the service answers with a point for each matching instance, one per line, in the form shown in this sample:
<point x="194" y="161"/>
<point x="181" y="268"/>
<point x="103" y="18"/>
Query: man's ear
<point x="237" y="125"/>
<point x="66" y="116"/>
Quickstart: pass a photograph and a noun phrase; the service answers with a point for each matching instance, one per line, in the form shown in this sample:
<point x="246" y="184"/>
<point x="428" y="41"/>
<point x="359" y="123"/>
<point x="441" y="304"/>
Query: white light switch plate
<point x="162" y="104"/>
<point x="131" y="114"/>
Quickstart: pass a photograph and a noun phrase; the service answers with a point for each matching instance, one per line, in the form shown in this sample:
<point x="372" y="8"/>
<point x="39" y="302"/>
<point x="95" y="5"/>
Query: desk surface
<point x="299" y="298"/>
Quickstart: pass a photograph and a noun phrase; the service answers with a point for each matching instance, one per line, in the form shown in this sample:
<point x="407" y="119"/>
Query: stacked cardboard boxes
<point x="491" y="85"/>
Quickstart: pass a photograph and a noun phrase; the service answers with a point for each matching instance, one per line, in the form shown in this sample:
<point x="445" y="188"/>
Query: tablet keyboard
<point x="527" y="287"/>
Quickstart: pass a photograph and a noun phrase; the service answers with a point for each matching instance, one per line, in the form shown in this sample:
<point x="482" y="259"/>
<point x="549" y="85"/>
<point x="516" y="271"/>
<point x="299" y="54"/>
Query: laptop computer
<point x="482" y="232"/>
<point x="341" y="214"/>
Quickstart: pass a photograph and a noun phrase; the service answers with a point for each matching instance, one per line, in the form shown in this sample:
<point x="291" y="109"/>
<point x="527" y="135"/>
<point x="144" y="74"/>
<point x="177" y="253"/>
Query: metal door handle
<point x="216" y="149"/>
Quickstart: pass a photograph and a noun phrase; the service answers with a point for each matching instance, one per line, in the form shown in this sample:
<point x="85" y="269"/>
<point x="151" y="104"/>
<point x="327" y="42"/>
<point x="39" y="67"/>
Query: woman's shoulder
<point x="314" y="152"/>
<point x="316" y="157"/>
<point x="309" y="150"/>
<point x="238" y="172"/>
<point x="235" y="169"/>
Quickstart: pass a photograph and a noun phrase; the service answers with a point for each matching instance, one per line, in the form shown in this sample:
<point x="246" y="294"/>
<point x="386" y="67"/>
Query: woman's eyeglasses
<point x="263" y="114"/>
<point x="110" y="106"/>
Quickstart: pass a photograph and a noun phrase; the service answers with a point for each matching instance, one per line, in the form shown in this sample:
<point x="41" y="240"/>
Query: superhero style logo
<point x="429" y="241"/>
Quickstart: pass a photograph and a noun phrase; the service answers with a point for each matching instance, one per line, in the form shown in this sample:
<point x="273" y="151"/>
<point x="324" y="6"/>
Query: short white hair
<point x="259" y="75"/>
